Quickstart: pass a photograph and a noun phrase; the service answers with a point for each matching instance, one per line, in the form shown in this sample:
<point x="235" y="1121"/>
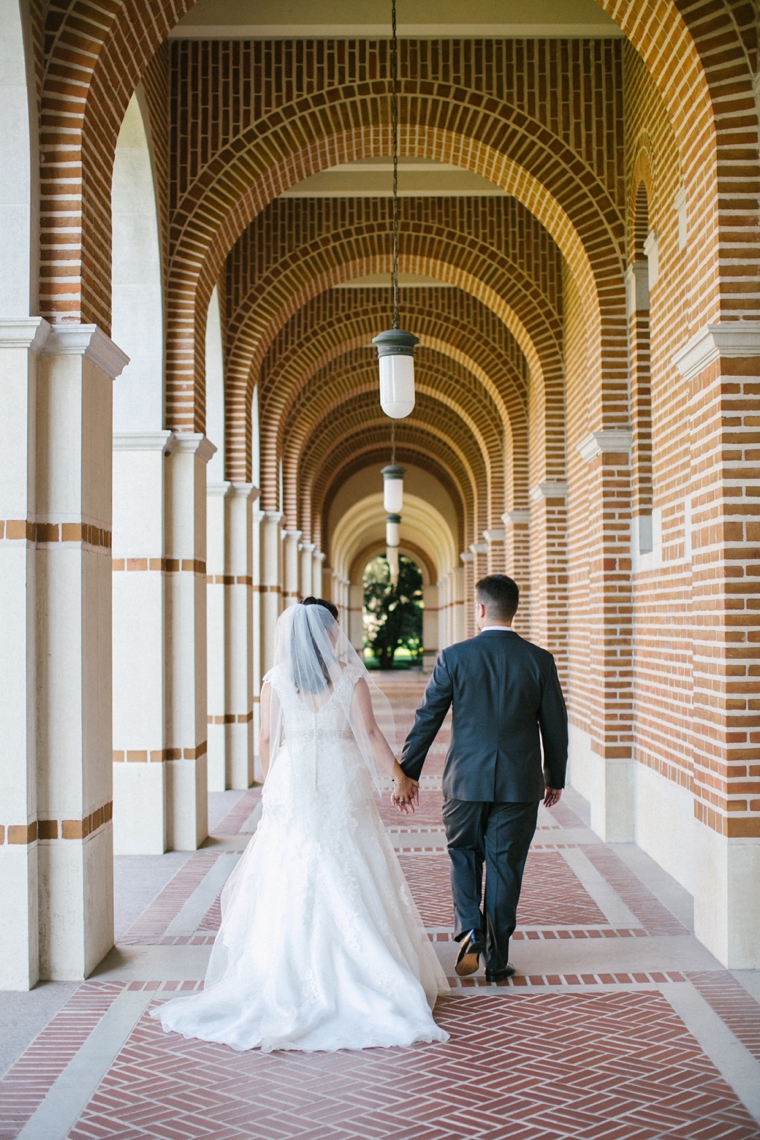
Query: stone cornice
<point x="614" y="440"/>
<point x="142" y="440"/>
<point x="193" y="443"/>
<point x="479" y="547"/>
<point x="467" y="556"/>
<point x="551" y="489"/>
<point x="516" y="518"/>
<point x="24" y="332"/>
<point x="727" y="339"/>
<point x="494" y="534"/>
<point x="90" y="342"/>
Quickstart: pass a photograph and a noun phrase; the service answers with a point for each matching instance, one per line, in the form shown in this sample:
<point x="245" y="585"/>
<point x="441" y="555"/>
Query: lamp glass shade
<point x="392" y="529"/>
<point x="397" y="385"/>
<point x="393" y="490"/>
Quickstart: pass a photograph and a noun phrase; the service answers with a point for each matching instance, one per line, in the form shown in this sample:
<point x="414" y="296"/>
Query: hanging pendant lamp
<point x="395" y="347"/>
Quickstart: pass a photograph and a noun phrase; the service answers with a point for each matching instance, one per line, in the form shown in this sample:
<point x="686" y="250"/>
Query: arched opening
<point x="393" y="615"/>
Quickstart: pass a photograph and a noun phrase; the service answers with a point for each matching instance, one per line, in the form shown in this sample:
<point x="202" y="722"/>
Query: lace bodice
<point x="328" y="721"/>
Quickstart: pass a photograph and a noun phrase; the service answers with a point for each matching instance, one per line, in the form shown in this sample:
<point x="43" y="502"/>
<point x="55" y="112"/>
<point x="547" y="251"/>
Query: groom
<point x="508" y="709"/>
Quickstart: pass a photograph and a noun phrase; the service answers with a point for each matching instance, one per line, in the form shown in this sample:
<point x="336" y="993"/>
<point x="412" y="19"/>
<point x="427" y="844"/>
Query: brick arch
<point x="474" y="267"/>
<point x="376" y="457"/>
<point x="332" y="391"/>
<point x="689" y="57"/>
<point x="571" y="204"/>
<point x="91" y="58"/>
<point x="363" y="432"/>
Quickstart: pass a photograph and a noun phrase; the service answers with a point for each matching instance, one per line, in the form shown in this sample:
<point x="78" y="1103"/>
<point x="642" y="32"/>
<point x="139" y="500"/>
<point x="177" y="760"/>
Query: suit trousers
<point x="499" y="835"/>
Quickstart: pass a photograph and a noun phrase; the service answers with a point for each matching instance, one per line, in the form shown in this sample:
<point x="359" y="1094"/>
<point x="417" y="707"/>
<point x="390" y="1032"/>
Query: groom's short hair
<point x="499" y="594"/>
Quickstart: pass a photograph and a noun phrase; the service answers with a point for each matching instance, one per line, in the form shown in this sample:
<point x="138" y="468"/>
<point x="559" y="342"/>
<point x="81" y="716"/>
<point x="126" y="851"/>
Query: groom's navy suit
<point x="508" y="710"/>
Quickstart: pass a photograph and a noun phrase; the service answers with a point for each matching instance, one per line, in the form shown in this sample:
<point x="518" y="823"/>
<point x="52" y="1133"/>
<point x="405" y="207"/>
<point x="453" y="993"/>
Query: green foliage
<point x="393" y="615"/>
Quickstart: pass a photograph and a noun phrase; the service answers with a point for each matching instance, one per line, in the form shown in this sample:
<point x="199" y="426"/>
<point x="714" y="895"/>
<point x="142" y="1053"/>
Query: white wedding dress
<point x="321" y="945"/>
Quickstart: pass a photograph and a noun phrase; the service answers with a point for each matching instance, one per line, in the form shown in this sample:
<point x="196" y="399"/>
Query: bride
<point x="321" y="945"/>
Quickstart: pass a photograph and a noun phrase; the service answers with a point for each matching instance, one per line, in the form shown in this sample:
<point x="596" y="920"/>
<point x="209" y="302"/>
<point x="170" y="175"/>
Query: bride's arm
<point x="381" y="749"/>
<point x="266" y="709"/>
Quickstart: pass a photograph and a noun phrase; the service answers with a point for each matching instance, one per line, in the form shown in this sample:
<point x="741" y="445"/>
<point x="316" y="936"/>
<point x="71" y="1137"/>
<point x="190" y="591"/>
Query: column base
<point x="76" y="905"/>
<point x="726" y="897"/>
<point x="187" y="803"/>
<point x="19" y="944"/>
<point x="608" y="785"/>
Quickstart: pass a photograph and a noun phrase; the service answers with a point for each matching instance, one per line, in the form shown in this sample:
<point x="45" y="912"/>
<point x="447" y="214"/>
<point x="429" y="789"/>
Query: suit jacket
<point x="507" y="704"/>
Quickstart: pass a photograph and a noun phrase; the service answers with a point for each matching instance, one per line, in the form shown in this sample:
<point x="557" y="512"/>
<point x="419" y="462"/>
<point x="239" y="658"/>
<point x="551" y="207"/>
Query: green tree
<point x="394" y="613"/>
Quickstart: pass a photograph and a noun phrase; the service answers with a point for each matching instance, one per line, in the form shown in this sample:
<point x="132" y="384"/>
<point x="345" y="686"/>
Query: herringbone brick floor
<point x="585" y="1043"/>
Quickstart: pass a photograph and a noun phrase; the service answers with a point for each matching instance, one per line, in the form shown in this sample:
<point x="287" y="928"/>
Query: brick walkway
<point x="618" y="1025"/>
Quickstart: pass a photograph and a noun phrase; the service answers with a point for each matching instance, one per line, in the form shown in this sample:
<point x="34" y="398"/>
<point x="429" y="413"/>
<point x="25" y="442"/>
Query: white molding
<point x="320" y="554"/>
<point x="727" y="339"/>
<point x="194" y="443"/>
<point x="605" y="442"/>
<point x="651" y="252"/>
<point x="494" y="534"/>
<point x="291" y="533"/>
<point x="273" y="516"/>
<point x="244" y="491"/>
<point x="142" y="440"/>
<point x="309" y="547"/>
<point x="516" y="518"/>
<point x="88" y="341"/>
<point x="479" y="547"/>
<point x="218" y="490"/>
<point x="467" y="556"/>
<point x="551" y="489"/>
<point x="24" y="332"/>
<point x="637" y="288"/>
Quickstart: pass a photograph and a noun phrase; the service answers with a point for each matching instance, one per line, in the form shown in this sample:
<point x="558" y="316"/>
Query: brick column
<point x="721" y="365"/>
<point x="270" y="588"/>
<point x="548" y="569"/>
<point x="430" y="642"/>
<point x="458" y="586"/>
<point x="20" y="342"/>
<point x="356" y="616"/>
<point x="517" y="562"/>
<point x="187" y="706"/>
<point x="73" y="600"/>
<point x="140" y="463"/>
<point x="467" y="595"/>
<point x="496" y="553"/>
<point x="610" y="631"/>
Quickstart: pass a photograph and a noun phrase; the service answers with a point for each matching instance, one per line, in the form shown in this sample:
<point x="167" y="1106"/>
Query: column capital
<point x="494" y="534"/>
<point x="142" y="440"/>
<point x="551" y="489"/>
<point x="272" y="516"/>
<point x="320" y="554"/>
<point x="244" y="491"/>
<point x="613" y="440"/>
<point x="479" y="547"/>
<point x="88" y="341"/>
<point x="467" y="556"/>
<point x="307" y="547"/>
<point x="713" y="342"/>
<point x="292" y="535"/>
<point x="193" y="443"/>
<point x="516" y="518"/>
<point x="218" y="490"/>
<point x="24" y="332"/>
<point x="637" y="288"/>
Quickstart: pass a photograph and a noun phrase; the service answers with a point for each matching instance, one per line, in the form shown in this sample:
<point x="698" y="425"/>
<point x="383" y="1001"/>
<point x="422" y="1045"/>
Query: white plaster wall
<point x="19" y="164"/>
<point x="137" y="324"/>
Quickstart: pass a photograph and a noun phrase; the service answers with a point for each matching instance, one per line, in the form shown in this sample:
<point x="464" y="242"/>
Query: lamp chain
<point x="394" y="125"/>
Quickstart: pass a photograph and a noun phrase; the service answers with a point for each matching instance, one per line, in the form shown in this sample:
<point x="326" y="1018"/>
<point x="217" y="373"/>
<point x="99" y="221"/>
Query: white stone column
<point x="186" y="751"/>
<point x="238" y="592"/>
<point x="217" y="633"/>
<point x="139" y="617"/>
<point x="317" y="586"/>
<point x="356" y="616"/>
<point x="429" y="627"/>
<point x="73" y="594"/>
<point x="257" y="518"/>
<point x="291" y="566"/>
<point x="20" y="342"/>
<point x="307" y="569"/>
<point x="271" y="585"/>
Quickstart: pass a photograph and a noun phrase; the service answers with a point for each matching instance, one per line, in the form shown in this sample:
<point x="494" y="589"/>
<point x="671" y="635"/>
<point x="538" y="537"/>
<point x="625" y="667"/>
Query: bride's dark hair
<point x="319" y="679"/>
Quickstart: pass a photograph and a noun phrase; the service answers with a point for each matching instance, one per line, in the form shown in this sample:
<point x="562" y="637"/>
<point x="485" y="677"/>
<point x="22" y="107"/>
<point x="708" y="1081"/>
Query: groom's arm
<point x="552" y="720"/>
<point x="427" y="720"/>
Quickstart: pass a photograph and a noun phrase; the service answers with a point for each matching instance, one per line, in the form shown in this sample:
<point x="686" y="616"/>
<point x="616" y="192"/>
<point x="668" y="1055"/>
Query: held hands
<point x="406" y="794"/>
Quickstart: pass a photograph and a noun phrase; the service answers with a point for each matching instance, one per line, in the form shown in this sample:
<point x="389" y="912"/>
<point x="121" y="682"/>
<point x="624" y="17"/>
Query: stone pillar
<point x="230" y="632"/>
<point x="548" y="570"/>
<point x="217" y="633"/>
<point x="307" y="570"/>
<point x="271" y="586"/>
<point x="467" y="597"/>
<point x="356" y="616"/>
<point x="257" y="519"/>
<point x="73" y="683"/>
<point x="721" y="365"/>
<point x="20" y="342"/>
<point x="317" y="586"/>
<point x="139" y="619"/>
<point x="291" y="566"/>
<point x="430" y="641"/>
<point x="186" y="751"/>
<point x="496" y="554"/>
<point x="443" y="613"/>
<point x="458" y="605"/>
<point x="517" y="562"/>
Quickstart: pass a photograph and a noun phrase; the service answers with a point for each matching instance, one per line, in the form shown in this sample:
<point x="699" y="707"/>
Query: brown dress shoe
<point x="470" y="949"/>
